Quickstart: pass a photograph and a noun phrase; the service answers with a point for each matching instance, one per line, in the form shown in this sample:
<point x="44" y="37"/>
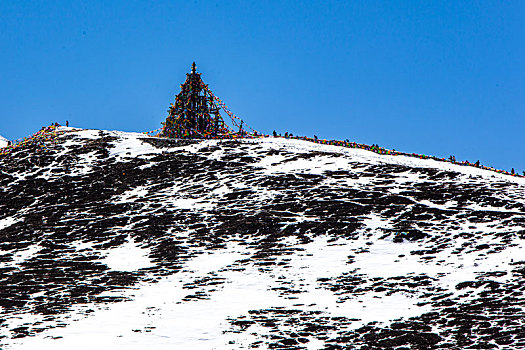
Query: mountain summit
<point x="123" y="241"/>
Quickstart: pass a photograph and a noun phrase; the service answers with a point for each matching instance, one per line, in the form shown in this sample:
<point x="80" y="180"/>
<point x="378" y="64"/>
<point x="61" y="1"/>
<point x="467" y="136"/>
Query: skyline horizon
<point x="438" y="79"/>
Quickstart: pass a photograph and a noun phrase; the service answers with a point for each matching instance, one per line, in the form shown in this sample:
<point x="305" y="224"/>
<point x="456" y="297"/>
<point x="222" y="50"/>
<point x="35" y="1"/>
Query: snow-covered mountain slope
<point x="123" y="241"/>
<point x="3" y="141"/>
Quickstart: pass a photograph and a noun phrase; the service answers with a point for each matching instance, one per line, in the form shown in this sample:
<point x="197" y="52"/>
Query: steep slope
<point x="119" y="240"/>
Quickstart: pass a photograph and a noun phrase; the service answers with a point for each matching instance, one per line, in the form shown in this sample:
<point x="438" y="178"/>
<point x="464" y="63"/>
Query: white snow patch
<point x="25" y="254"/>
<point x="129" y="145"/>
<point x="383" y="259"/>
<point x="127" y="257"/>
<point x="3" y="141"/>
<point x="20" y="256"/>
<point x="8" y="221"/>
<point x="221" y="190"/>
<point x="87" y="133"/>
<point x="68" y="128"/>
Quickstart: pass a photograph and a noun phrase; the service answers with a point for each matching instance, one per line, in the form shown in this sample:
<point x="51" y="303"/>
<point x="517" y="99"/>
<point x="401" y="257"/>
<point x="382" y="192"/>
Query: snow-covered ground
<point x="3" y="141"/>
<point x="121" y="241"/>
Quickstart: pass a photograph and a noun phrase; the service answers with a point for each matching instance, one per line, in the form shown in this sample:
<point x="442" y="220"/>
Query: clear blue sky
<point x="432" y="77"/>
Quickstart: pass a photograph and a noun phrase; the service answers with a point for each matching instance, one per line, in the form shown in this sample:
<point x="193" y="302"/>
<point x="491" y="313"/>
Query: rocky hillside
<point x="118" y="240"/>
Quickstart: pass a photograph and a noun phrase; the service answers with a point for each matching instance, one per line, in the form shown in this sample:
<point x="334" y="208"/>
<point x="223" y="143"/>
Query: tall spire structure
<point x="194" y="113"/>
